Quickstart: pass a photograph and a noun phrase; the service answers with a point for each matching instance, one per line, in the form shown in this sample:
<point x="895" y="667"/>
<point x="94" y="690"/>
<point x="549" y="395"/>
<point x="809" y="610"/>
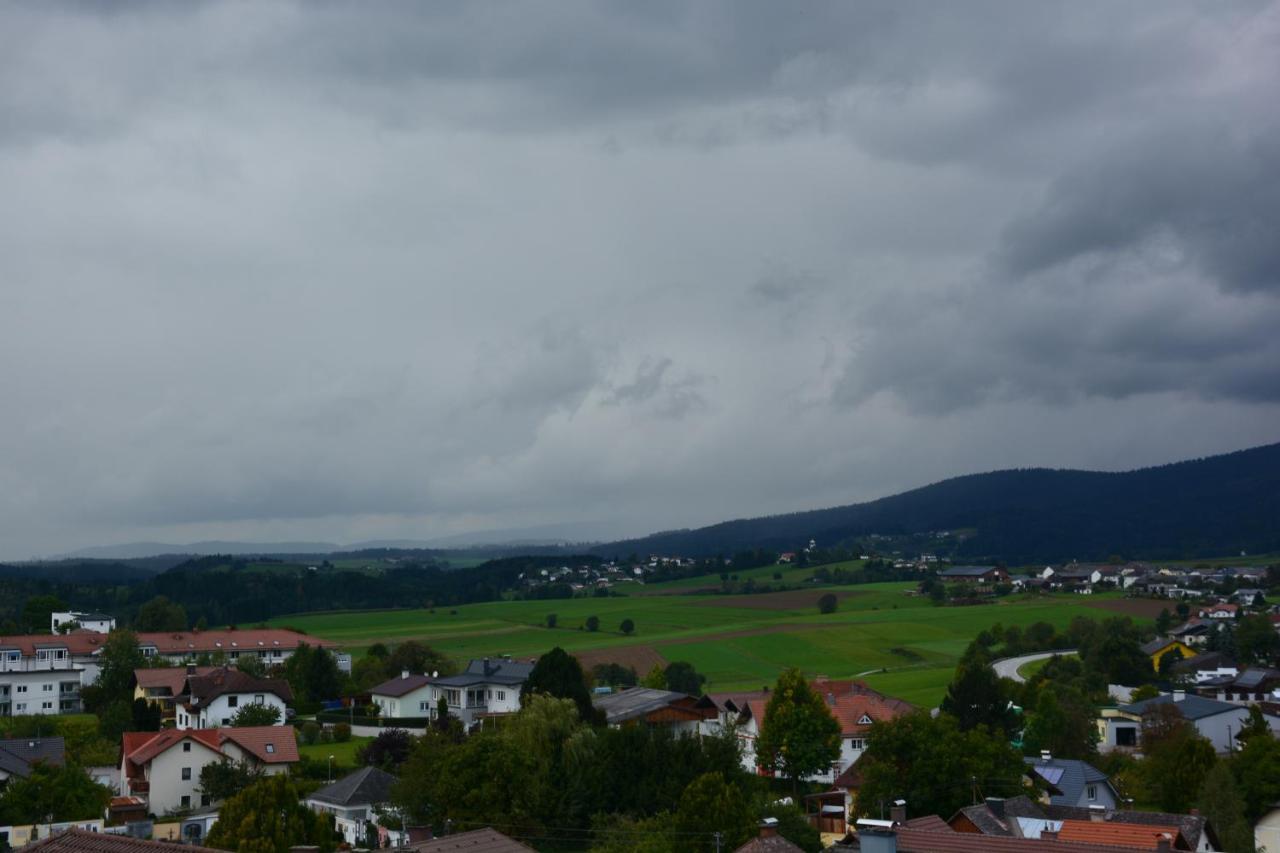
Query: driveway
<point x="1008" y="667"/>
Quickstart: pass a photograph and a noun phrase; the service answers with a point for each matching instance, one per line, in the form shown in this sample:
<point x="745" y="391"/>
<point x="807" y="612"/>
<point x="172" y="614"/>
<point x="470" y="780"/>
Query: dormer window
<point x="864" y="720"/>
<point x="271" y="749"/>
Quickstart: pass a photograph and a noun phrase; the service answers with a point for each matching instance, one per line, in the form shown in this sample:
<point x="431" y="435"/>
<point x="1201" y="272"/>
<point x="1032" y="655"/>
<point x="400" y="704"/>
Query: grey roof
<point x="1152" y="646"/>
<point x="1256" y="676"/>
<point x="1205" y="661"/>
<point x="1068" y="775"/>
<point x="399" y="685"/>
<point x="986" y="822"/>
<point x="489" y="671"/>
<point x="366" y="786"/>
<point x="1192" y="707"/>
<point x="477" y="841"/>
<point x="635" y="702"/>
<point x="966" y="571"/>
<point x="17" y="755"/>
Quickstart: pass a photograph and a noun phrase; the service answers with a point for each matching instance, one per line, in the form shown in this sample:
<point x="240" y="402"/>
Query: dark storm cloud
<point x="346" y="271"/>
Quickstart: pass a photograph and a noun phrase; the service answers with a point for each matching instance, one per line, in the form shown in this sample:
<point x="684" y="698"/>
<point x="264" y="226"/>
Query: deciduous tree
<point x="59" y="793"/>
<point x="255" y="714"/>
<point x="1221" y="805"/>
<point x="799" y="736"/>
<point x="268" y="817"/>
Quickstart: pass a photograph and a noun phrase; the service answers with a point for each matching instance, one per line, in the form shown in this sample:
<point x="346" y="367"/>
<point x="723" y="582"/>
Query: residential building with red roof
<point x="164" y="767"/>
<point x="272" y="646"/>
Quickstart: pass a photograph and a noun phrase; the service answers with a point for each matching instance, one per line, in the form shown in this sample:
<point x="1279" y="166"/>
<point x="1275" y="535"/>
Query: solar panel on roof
<point x="1052" y="775"/>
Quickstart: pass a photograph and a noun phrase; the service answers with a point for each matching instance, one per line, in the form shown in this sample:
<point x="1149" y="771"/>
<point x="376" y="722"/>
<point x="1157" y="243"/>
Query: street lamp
<point x="330" y="769"/>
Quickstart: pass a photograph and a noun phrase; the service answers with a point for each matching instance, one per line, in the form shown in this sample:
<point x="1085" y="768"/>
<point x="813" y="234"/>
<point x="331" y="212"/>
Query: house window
<point x="453" y="697"/>
<point x="502" y="695"/>
<point x="22" y="688"/>
<point x="21" y="706"/>
<point x="186" y="746"/>
<point x="423" y="706"/>
<point x="1126" y="736"/>
<point x="1092" y="792"/>
<point x="186" y="801"/>
<point x="204" y="799"/>
<point x="233" y="701"/>
<point x="259" y="699"/>
<point x="47" y="688"/>
<point x="46" y="706"/>
<point x="857" y="743"/>
<point x="186" y="774"/>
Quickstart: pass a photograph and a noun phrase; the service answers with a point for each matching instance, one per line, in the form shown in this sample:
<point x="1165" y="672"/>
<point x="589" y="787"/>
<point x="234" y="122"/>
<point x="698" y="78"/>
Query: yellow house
<point x="1161" y="646"/>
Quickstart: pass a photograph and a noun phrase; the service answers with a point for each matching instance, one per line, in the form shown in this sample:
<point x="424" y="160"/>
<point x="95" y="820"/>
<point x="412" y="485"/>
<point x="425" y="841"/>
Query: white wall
<point x="39" y="692"/>
<point x="165" y="775"/>
<point x="220" y="711"/>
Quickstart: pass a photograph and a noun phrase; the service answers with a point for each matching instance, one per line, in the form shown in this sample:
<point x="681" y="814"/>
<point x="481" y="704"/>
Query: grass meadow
<point x="898" y="642"/>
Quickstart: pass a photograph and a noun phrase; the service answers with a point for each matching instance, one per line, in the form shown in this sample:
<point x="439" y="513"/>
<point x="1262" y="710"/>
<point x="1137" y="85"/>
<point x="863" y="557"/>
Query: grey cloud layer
<point x="347" y="271"/>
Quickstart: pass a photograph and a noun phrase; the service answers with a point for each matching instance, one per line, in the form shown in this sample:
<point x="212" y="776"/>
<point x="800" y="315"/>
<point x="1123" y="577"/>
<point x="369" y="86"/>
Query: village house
<point x="487" y="687"/>
<point x="1069" y="782"/>
<point x="65" y="621"/>
<point x="1158" y="648"/>
<point x="974" y="574"/>
<point x="213" y="698"/>
<point x="164" y="767"/>
<point x="649" y="706"/>
<point x="43" y="673"/>
<point x="1218" y="722"/>
<point x="1021" y="817"/>
<point x="271" y="646"/>
<point x="1219" y="612"/>
<point x="19" y="754"/>
<point x="353" y="801"/>
<point x="161" y="685"/>
<point x="1255" y="684"/>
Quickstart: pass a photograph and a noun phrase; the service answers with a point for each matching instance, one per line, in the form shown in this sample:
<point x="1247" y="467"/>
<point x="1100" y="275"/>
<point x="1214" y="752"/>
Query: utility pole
<point x="717" y="840"/>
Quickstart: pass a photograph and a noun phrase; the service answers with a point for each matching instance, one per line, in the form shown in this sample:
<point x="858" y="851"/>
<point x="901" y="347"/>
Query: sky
<point x="349" y="271"/>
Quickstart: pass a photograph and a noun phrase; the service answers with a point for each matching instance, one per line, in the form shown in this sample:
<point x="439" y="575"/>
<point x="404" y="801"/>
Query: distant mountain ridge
<point x="1203" y="507"/>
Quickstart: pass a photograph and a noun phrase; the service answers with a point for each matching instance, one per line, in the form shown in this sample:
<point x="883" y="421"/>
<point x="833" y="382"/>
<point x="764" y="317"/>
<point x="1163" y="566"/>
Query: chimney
<point x="769" y="827"/>
<point x="1048" y="835"/>
<point x="995" y="805"/>
<point x="1097" y="813"/>
<point x="898" y="811"/>
<point x="877" y="836"/>
<point x="404" y="673"/>
<point x="487" y="669"/>
<point x="419" y="833"/>
<point x="1045" y="756"/>
<point x="1164" y="844"/>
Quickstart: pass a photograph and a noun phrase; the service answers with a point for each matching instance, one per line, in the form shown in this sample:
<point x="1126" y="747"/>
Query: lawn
<point x="344" y="754"/>
<point x="900" y="643"/>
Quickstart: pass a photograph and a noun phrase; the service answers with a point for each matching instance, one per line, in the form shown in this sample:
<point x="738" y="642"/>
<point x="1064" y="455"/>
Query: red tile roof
<point x="76" y="643"/>
<point x="251" y="639"/>
<point x="930" y="841"/>
<point x="476" y="841"/>
<point x="172" y="677"/>
<point x="1120" y="834"/>
<point x="83" y="841"/>
<point x="141" y="747"/>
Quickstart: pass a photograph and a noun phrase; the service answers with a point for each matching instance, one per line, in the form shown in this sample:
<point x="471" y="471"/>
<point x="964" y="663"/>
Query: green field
<point x="736" y="641"/>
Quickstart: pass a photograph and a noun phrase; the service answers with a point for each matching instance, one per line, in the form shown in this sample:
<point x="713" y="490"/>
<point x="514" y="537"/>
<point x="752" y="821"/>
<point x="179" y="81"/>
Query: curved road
<point x="1008" y="667"/>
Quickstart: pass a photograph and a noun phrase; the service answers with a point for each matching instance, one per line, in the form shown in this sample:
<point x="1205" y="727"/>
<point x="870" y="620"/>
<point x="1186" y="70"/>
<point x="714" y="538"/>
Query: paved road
<point x="1008" y="667"/>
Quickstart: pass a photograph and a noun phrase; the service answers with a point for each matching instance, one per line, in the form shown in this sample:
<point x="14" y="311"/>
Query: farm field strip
<point x="877" y="627"/>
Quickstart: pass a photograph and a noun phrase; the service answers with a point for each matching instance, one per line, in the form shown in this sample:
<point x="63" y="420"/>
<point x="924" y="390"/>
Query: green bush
<point x="310" y="732"/>
<point x="341" y="733"/>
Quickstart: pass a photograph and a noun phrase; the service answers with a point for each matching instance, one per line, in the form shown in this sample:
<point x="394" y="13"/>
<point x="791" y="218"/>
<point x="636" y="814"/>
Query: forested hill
<point x="1217" y="505"/>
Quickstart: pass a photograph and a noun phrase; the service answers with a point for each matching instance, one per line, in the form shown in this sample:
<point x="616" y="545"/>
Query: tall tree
<point x="1257" y="772"/>
<point x="798" y="736"/>
<point x="1176" y="761"/>
<point x="269" y="817"/>
<point x="417" y="657"/>
<point x="681" y="677"/>
<point x="58" y="793"/>
<point x="37" y="613"/>
<point x="224" y="779"/>
<point x="935" y="766"/>
<point x="558" y="674"/>
<point x="1256" y="639"/>
<point x="977" y="697"/>
<point x="161" y="614"/>
<point x="1221" y="805"/>
<point x="710" y="805"/>
<point x="1063" y="723"/>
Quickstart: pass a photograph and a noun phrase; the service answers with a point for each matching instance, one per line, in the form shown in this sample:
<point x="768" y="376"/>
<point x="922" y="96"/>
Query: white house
<point x="1219" y="722"/>
<point x="353" y="800"/>
<point x="63" y="621"/>
<point x="42" y="673"/>
<point x="212" y="699"/>
<point x="164" y="767"/>
<point x="486" y="688"/>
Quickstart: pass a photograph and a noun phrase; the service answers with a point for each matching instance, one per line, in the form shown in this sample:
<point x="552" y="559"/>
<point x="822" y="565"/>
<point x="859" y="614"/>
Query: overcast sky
<point x="346" y="271"/>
